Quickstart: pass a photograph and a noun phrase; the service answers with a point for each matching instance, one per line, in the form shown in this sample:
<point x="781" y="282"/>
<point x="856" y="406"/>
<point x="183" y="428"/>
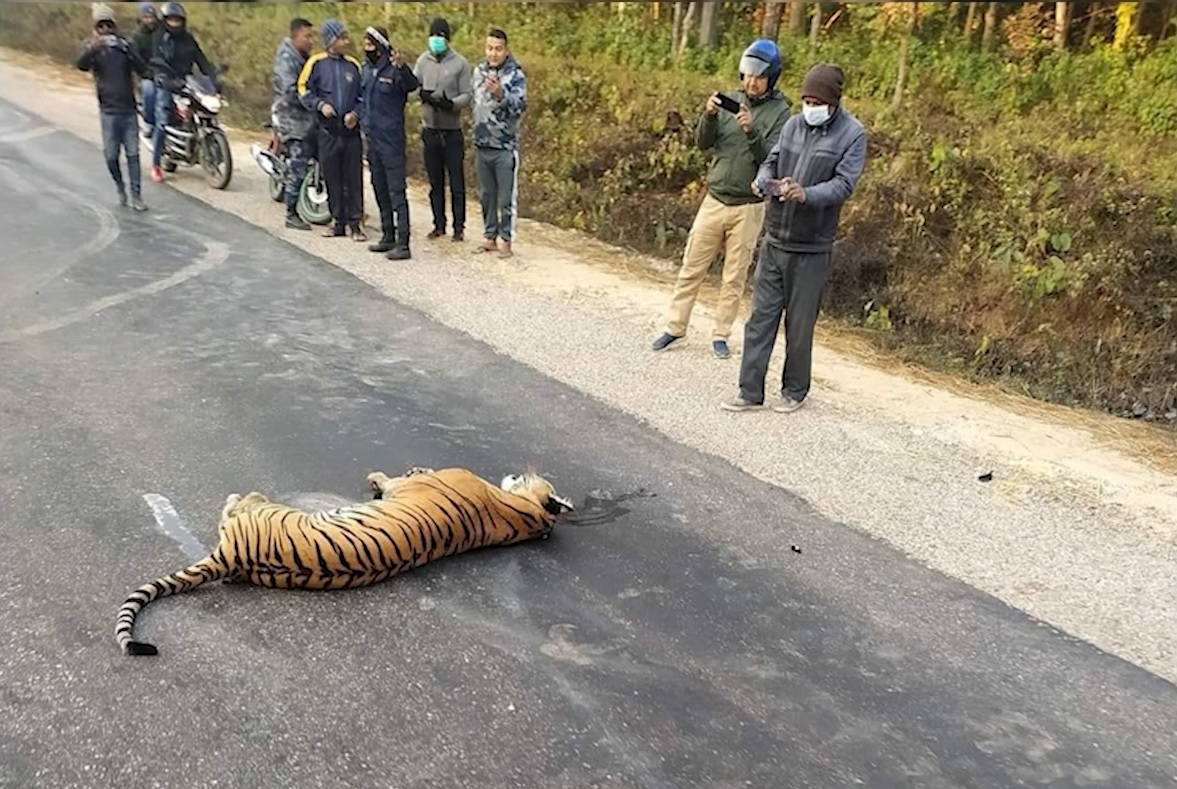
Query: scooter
<point x="312" y="203"/>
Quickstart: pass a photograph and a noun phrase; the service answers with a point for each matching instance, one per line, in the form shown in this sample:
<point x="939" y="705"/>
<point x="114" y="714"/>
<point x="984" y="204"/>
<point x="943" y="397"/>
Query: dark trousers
<point x="388" y="182"/>
<point x="498" y="188"/>
<point x="120" y="132"/>
<point x="298" y="153"/>
<point x="343" y="170"/>
<point x="445" y="151"/>
<point x="792" y="283"/>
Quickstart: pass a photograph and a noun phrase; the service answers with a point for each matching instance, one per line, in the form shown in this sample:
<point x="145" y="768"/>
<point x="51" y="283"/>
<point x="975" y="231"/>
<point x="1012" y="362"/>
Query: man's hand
<point x="793" y="191"/>
<point x="495" y="87"/>
<point x="744" y="118"/>
<point x="96" y="42"/>
<point x="713" y="105"/>
<point x="351" y="119"/>
<point x="327" y="110"/>
<point x="756" y="190"/>
<point x="396" y="58"/>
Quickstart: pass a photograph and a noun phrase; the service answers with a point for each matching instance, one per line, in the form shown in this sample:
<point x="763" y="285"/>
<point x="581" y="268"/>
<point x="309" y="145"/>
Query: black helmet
<point x="173" y="9"/>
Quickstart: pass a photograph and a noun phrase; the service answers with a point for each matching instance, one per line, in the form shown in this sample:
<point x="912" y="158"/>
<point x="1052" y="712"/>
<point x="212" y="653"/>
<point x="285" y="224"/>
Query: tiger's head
<point x="534" y="487"/>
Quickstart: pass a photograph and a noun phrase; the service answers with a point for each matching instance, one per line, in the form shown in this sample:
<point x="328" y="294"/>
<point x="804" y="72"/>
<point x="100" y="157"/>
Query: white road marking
<point x="169" y="523"/>
<point x="216" y="253"/>
<point x="28" y="134"/>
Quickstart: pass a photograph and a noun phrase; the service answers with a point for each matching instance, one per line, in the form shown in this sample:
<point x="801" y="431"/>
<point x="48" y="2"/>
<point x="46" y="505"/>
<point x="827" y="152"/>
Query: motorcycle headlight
<point x="212" y="103"/>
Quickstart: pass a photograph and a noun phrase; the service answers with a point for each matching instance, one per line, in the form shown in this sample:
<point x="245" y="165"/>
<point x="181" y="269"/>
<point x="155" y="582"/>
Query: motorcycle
<point x="193" y="134"/>
<point x="312" y="203"/>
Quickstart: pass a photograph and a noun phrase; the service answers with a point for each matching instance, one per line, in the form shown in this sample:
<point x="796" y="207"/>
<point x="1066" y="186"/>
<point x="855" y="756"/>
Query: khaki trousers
<point x="732" y="229"/>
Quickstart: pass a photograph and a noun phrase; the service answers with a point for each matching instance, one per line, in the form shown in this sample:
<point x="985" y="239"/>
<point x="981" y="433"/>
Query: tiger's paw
<point x="377" y="480"/>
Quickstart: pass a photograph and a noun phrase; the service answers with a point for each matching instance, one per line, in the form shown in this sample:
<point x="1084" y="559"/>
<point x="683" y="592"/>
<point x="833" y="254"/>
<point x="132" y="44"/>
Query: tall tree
<point x="990" y="33"/>
<point x="709" y="24"/>
<point x="797" y="17"/>
<point x="1062" y="24"/>
<point x="770" y="26"/>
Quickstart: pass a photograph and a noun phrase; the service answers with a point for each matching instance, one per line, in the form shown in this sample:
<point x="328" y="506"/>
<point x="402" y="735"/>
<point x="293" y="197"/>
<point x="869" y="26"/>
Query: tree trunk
<point x="904" y="46"/>
<point x="1062" y="24"/>
<point x="990" y="27"/>
<point x="970" y="21"/>
<point x="770" y="26"/>
<point x="709" y="24"/>
<point x="680" y="13"/>
<point x="1092" y="18"/>
<point x="1166" y="19"/>
<point x="688" y="20"/>
<point x="815" y="26"/>
<point x="797" y="17"/>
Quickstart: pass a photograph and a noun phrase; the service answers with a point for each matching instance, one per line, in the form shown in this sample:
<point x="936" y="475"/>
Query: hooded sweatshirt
<point x="496" y="120"/>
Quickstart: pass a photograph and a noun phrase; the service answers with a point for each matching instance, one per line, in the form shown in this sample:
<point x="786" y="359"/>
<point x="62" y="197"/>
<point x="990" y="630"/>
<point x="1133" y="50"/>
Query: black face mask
<point x="372" y="55"/>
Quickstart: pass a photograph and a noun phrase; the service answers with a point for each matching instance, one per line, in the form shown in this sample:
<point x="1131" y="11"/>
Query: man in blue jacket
<point x="385" y="88"/>
<point x="809" y="174"/>
<point x="113" y="61"/>
<point x="329" y="86"/>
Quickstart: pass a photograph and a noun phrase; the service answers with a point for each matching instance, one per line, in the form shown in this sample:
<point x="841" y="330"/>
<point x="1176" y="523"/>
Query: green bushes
<point x="1016" y="219"/>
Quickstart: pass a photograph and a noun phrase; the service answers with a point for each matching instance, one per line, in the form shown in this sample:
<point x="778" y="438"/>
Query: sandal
<point x="358" y="234"/>
<point x="333" y="232"/>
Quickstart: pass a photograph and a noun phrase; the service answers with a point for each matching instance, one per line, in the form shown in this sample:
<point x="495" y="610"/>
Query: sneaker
<point x="740" y="404"/>
<point x="157" y="174"/>
<point x="296" y="222"/>
<point x="137" y="203"/>
<point x="721" y="349"/>
<point x="663" y="342"/>
<point x="787" y="405"/>
<point x="122" y="198"/>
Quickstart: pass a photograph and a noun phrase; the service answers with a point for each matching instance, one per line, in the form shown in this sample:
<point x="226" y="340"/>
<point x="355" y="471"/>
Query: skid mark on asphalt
<point x="215" y="254"/>
<point x="170" y="523"/>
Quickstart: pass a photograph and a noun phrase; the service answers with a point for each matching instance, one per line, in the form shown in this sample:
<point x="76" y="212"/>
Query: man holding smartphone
<point x="740" y="128"/>
<point x="808" y="176"/>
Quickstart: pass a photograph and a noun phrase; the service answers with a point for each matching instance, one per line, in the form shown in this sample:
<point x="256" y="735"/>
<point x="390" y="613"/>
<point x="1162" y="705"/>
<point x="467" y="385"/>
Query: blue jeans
<point x="120" y="131"/>
<point x="163" y="101"/>
<point x="148" y="102"/>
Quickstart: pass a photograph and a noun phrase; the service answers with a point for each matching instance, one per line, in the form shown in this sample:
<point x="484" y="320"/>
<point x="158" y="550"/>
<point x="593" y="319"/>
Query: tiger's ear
<point x="558" y="505"/>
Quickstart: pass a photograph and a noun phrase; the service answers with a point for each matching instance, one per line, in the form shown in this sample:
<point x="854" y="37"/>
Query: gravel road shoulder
<point x="1079" y="535"/>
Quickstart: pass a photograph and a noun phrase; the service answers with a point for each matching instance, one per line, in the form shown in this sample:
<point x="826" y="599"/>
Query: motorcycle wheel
<point x="217" y="159"/>
<point x="277" y="189"/>
<point x="312" y="197"/>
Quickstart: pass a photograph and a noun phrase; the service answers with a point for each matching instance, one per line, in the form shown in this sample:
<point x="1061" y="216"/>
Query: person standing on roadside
<point x="385" y="87"/>
<point x="810" y="173"/>
<point x="113" y="61"/>
<point x="500" y="99"/>
<point x="148" y="21"/>
<point x="293" y="123"/>
<point x="445" y="91"/>
<point x="329" y="86"/>
<point x="739" y="128"/>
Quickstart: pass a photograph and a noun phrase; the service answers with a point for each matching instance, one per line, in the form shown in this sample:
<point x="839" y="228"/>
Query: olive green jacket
<point x="737" y="156"/>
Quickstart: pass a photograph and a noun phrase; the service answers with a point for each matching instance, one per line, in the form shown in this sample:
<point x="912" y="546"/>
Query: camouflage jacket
<point x="496" y="121"/>
<point x="292" y="121"/>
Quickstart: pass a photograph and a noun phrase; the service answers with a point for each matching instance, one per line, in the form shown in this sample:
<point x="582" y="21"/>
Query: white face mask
<point x="816" y="116"/>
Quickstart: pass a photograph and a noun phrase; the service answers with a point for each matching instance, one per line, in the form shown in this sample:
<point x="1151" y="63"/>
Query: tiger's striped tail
<point x="210" y="568"/>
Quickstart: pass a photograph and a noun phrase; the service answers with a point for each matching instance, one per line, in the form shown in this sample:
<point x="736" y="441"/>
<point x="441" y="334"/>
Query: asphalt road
<point x="670" y="637"/>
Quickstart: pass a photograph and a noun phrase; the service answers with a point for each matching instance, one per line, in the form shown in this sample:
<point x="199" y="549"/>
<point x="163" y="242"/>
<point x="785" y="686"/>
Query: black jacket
<point x="174" y="53"/>
<point x="143" y="41"/>
<point x="113" y="68"/>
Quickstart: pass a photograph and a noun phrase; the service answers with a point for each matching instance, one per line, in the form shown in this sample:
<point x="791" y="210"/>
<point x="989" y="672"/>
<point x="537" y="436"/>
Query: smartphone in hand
<point x="729" y="104"/>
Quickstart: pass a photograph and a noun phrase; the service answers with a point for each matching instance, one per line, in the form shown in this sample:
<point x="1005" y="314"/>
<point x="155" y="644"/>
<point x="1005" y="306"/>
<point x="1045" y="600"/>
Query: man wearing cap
<point x="294" y="124"/>
<point x="384" y="89"/>
<point x="148" y="21"/>
<point x="329" y="86"/>
<point x="113" y="61"/>
<point x="731" y="215"/>
<point x="445" y="91"/>
<point x="809" y="174"/>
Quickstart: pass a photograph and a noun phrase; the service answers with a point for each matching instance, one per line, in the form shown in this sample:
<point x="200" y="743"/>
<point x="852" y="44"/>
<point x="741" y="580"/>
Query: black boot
<point x="385" y="243"/>
<point x="294" y="221"/>
<point x="401" y="250"/>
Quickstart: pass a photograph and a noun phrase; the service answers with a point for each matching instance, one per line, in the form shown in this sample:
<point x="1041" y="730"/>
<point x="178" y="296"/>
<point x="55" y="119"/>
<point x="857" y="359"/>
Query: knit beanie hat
<point x="101" y="12"/>
<point x="824" y="83"/>
<point x="331" y="30"/>
<point x="440" y="27"/>
<point x="146" y="8"/>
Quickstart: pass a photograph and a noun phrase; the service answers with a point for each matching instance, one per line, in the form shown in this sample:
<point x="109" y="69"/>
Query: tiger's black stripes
<point x="418" y="518"/>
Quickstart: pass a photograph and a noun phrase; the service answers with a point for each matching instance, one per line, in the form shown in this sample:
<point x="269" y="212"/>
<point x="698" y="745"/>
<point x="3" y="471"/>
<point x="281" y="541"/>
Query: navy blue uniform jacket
<point x="334" y="80"/>
<point x="384" y="90"/>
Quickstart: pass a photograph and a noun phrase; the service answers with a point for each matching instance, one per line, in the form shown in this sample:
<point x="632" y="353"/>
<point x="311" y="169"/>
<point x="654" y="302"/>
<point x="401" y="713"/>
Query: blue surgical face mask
<point x="437" y="44"/>
<point x="816" y="116"/>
